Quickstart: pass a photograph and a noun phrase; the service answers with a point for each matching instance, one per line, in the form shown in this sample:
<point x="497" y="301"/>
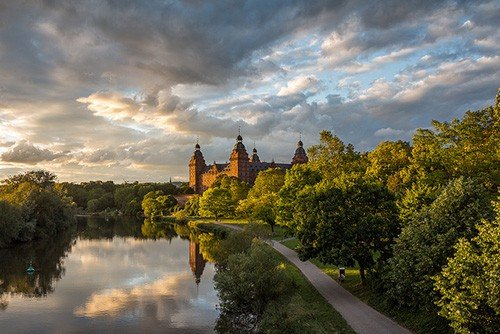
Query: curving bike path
<point x="362" y="318"/>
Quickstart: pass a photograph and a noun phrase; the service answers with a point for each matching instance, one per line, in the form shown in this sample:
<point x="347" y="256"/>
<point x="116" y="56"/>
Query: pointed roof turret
<point x="300" y="156"/>
<point x="254" y="157"/>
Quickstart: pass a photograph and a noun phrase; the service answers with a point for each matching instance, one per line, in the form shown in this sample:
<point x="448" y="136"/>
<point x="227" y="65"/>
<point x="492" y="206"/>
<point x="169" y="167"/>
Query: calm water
<point x="107" y="277"/>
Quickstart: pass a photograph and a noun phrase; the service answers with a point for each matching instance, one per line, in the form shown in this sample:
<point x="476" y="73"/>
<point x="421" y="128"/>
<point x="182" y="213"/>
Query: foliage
<point x="332" y="158"/>
<point x="427" y="241"/>
<point x="192" y="206"/>
<point x="40" y="178"/>
<point x="467" y="147"/>
<point x="415" y="199"/>
<point x="156" y="204"/>
<point x="238" y="189"/>
<point x="469" y="283"/>
<point x="387" y="161"/>
<point x="11" y="223"/>
<point x="296" y="179"/>
<point x="262" y="198"/>
<point x="246" y="286"/>
<point x="98" y="196"/>
<point x="216" y="202"/>
<point x="347" y="221"/>
<point x="32" y="207"/>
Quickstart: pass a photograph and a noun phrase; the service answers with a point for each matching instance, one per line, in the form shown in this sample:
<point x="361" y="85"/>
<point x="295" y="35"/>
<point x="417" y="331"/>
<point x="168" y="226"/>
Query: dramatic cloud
<point x="26" y="153"/>
<point x="121" y="90"/>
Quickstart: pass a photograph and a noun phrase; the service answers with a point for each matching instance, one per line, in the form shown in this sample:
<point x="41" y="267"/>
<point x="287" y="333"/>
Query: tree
<point x="192" y="206"/>
<point x="332" y="158"/>
<point x="264" y="209"/>
<point x="296" y="179"/>
<point x="263" y="196"/>
<point x="246" y="285"/>
<point x="346" y="221"/>
<point x="216" y="202"/>
<point x="156" y="204"/>
<point x="44" y="210"/>
<point x="239" y="189"/>
<point x="41" y="178"/>
<point x="469" y="283"/>
<point x="11" y="223"/>
<point x="415" y="199"/>
<point x="387" y="161"/>
<point x="425" y="243"/>
<point x="467" y="147"/>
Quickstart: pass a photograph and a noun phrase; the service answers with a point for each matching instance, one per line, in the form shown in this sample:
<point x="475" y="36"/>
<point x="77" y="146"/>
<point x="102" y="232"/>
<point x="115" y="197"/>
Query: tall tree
<point x="469" y="284"/>
<point x="333" y="158"/>
<point x="425" y="243"/>
<point x="262" y="197"/>
<point x="387" y="161"/>
<point x="216" y="202"/>
<point x="296" y="179"/>
<point x="346" y="221"/>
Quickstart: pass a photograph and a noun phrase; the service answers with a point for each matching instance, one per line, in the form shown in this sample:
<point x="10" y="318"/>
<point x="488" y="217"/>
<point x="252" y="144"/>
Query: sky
<point x="121" y="90"/>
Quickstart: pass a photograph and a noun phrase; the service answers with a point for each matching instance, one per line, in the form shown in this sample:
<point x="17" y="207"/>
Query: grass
<point x="309" y="311"/>
<point x="416" y="320"/>
<point x="306" y="311"/>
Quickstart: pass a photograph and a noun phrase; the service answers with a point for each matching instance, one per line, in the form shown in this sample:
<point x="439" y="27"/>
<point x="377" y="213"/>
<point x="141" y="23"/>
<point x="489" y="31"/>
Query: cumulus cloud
<point x="26" y="153"/>
<point x="302" y="84"/>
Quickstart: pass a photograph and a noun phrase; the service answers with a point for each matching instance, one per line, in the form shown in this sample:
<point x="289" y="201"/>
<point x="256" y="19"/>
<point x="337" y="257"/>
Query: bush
<point x="247" y="286"/>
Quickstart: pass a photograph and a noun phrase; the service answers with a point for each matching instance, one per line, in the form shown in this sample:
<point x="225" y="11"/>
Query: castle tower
<point x="238" y="161"/>
<point x="196" y="168"/>
<point x="254" y="157"/>
<point x="300" y="156"/>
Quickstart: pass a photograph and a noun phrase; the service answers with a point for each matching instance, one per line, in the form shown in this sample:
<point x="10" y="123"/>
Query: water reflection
<point x="196" y="261"/>
<point x="120" y="275"/>
<point x="46" y="256"/>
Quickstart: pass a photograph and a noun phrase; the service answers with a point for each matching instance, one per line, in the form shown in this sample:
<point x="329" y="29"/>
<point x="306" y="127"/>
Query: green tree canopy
<point x="216" y="202"/>
<point x="346" y="221"/>
<point x="262" y="198"/>
<point x="387" y="161"/>
<point x="332" y="158"/>
<point x="156" y="204"/>
<point x="469" y="147"/>
<point x="239" y="189"/>
<point x="44" y="210"/>
<point x="469" y="284"/>
<point x="296" y="179"/>
<point x="425" y="243"/>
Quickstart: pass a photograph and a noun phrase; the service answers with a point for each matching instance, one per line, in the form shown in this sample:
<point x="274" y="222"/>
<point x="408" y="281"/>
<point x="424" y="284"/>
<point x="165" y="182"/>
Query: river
<point x="107" y="276"/>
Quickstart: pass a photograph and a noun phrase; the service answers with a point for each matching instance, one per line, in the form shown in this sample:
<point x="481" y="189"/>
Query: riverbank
<point x="305" y="311"/>
<point x="359" y="315"/>
<point x="416" y="321"/>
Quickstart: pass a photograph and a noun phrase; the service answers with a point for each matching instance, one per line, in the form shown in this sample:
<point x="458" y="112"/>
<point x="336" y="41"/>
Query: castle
<point x="245" y="168"/>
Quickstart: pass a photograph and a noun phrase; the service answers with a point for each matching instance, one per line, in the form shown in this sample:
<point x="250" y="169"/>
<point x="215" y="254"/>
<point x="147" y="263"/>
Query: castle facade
<point x="240" y="165"/>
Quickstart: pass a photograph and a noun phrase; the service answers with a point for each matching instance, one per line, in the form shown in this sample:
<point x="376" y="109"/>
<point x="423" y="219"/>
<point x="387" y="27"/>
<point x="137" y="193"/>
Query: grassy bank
<point x="309" y="311"/>
<point x="306" y="311"/>
<point x="415" y="320"/>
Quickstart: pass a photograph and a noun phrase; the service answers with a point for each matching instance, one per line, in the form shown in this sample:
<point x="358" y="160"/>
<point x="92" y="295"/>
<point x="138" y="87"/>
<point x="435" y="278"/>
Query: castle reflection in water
<point x="196" y="261"/>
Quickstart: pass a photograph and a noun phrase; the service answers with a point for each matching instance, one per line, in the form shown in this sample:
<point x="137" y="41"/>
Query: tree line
<point x="34" y="205"/>
<point x="420" y="221"/>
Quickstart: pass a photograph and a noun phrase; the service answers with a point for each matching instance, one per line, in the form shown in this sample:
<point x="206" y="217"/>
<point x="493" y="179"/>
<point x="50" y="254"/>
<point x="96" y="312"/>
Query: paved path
<point x="361" y="317"/>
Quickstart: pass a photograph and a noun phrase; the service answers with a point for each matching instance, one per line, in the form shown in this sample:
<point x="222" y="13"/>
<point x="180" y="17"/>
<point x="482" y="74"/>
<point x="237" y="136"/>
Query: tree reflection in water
<point x="46" y="256"/>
